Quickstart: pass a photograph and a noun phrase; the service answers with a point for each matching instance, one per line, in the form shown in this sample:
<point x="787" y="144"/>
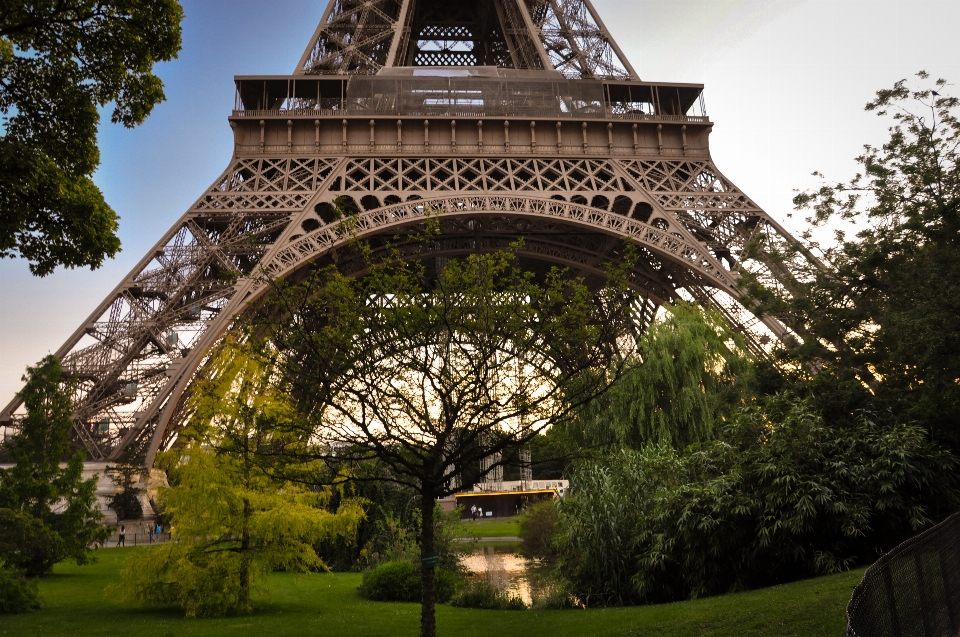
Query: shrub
<point x="479" y="593"/>
<point x="399" y="581"/>
<point x="778" y="497"/>
<point x="538" y="526"/>
<point x="556" y="598"/>
<point x="17" y="593"/>
<point x="27" y="544"/>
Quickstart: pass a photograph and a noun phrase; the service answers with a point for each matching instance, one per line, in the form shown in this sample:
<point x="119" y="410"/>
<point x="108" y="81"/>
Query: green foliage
<point x="28" y="544"/>
<point x="55" y="499"/>
<point x="447" y="527"/>
<point x="395" y="537"/>
<point x="413" y="373"/>
<point x="554" y="451"/>
<point x="689" y="374"/>
<point x="17" y="593"/>
<point x="538" y="527"/>
<point x="555" y="597"/>
<point x="231" y="526"/>
<point x="232" y="520"/>
<point x="479" y="593"/>
<point x="399" y="581"/>
<point x="388" y="530"/>
<point x="885" y="309"/>
<point x="126" y="503"/>
<point x="778" y="496"/>
<point x="396" y="581"/>
<point x="59" y="62"/>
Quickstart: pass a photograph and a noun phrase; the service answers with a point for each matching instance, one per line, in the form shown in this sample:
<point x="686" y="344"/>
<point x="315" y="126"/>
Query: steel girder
<point x="136" y="355"/>
<point x="360" y="37"/>
<point x="643" y="176"/>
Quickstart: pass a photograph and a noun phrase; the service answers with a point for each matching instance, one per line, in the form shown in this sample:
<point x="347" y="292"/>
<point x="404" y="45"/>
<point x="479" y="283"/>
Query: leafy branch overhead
<point x="883" y="310"/>
<point x="59" y="62"/>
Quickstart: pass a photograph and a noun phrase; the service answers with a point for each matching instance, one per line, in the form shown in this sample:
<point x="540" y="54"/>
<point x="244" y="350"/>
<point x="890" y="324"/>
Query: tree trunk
<point x="428" y="594"/>
<point x="245" y="546"/>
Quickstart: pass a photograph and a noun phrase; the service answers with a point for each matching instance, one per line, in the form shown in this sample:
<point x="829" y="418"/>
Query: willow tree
<point x="424" y="371"/>
<point x="687" y="376"/>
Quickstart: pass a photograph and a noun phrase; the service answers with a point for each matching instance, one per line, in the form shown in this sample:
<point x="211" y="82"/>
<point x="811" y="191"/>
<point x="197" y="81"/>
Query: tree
<point x="421" y="372"/>
<point x="42" y="498"/>
<point x="127" y="502"/>
<point x="689" y="373"/>
<point x="232" y="520"/>
<point x="884" y="311"/>
<point x="59" y="61"/>
<point x="777" y="496"/>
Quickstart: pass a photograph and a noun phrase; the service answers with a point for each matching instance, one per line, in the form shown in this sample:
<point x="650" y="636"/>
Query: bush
<point x="778" y="497"/>
<point x="17" y="593"/>
<point x="556" y="598"/>
<point x="399" y="581"/>
<point x="27" y="544"/>
<point x="538" y="526"/>
<point x="479" y="593"/>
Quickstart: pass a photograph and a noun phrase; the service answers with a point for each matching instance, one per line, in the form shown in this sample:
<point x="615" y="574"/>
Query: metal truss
<point x="354" y="37"/>
<point x="358" y="37"/>
<point x="577" y="41"/>
<point x="136" y="355"/>
<point x="637" y="168"/>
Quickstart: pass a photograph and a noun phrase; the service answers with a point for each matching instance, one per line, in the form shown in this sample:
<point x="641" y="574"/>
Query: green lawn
<point x="75" y="604"/>
<point x="494" y="527"/>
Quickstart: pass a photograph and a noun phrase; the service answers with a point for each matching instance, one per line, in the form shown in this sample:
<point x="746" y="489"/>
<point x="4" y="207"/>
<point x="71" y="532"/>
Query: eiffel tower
<point x="514" y="118"/>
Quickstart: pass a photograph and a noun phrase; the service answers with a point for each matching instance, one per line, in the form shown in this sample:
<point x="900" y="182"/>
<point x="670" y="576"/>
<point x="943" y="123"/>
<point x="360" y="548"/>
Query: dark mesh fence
<point x="912" y="591"/>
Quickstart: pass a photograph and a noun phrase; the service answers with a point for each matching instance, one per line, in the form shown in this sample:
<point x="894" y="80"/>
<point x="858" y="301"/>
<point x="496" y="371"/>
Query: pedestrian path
<point x="136" y="533"/>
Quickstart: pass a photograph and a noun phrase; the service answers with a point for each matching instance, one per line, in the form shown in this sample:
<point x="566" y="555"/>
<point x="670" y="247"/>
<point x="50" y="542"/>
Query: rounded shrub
<point x="17" y="593"/>
<point x="399" y="581"/>
<point x="392" y="582"/>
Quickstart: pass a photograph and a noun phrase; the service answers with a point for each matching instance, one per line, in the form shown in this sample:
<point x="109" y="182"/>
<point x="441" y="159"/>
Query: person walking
<point x="473" y="512"/>
<point x="121" y="536"/>
<point x="150" y="533"/>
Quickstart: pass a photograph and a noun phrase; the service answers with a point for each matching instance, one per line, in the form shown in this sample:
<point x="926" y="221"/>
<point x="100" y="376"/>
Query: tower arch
<point x="545" y="132"/>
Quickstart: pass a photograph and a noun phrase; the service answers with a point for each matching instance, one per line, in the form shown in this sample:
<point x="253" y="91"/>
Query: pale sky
<point x="786" y="81"/>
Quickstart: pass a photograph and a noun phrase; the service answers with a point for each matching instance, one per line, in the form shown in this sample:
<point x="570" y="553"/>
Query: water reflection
<point x="501" y="565"/>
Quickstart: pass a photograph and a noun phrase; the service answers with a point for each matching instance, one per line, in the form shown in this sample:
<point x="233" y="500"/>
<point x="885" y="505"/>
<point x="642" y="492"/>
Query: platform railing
<point x="472" y="114"/>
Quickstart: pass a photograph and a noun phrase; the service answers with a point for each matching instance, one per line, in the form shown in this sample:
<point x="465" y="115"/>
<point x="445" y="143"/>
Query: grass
<point x="494" y="527"/>
<point x="75" y="605"/>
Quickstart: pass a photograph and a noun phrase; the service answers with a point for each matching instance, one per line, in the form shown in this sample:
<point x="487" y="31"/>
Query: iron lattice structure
<point x="513" y="118"/>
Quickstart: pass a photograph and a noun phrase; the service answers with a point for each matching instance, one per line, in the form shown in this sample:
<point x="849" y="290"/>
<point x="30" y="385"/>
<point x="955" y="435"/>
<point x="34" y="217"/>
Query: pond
<point x="502" y="565"/>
